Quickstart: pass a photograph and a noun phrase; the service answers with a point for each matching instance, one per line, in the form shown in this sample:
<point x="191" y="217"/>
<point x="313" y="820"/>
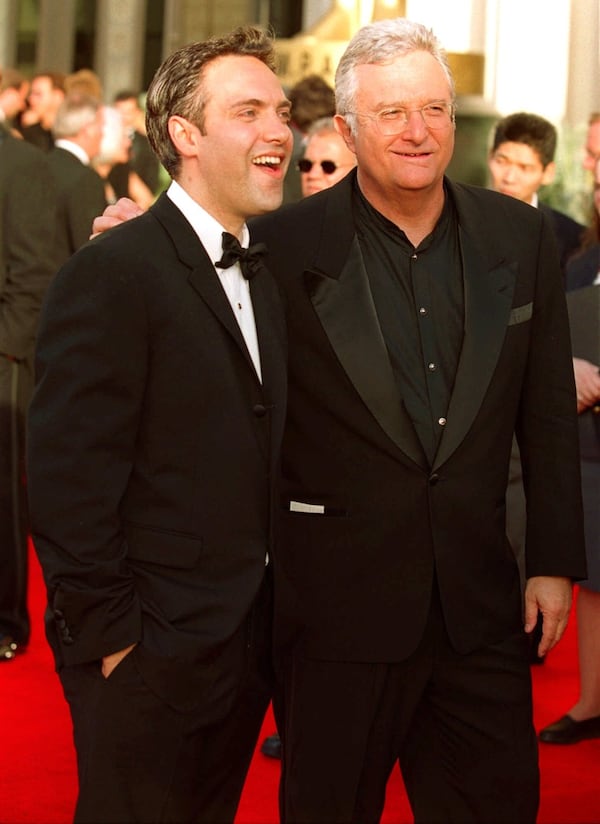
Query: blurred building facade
<point x="507" y="55"/>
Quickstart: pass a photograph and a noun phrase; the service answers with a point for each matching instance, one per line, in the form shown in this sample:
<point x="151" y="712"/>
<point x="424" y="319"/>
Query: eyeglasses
<point x="437" y="115"/>
<point x="328" y="166"/>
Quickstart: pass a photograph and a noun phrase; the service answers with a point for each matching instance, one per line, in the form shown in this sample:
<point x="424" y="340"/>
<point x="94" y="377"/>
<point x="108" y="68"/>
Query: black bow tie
<point x="250" y="259"/>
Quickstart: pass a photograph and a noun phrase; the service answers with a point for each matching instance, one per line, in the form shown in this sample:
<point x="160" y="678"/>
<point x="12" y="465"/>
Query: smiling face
<point x="239" y="158"/>
<point x="412" y="162"/>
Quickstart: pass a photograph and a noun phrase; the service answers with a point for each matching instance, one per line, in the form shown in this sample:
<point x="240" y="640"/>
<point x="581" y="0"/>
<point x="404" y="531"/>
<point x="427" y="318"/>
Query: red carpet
<point x="37" y="765"/>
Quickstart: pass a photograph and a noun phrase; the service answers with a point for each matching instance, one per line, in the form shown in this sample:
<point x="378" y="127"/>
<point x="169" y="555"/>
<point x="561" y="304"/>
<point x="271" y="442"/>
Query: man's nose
<point x="415" y="123"/>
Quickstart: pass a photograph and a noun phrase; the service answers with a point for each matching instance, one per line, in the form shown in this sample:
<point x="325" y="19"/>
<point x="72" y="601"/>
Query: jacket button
<point x="434" y="478"/>
<point x="259" y="410"/>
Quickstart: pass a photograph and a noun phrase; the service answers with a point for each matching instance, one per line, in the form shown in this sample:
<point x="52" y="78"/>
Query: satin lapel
<point x="202" y="277"/>
<point x="270" y="327"/>
<point x="488" y="297"/>
<point x="347" y="313"/>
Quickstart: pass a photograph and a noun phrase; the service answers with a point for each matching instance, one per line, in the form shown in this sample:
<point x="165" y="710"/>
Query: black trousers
<point x="142" y="760"/>
<point x="15" y="392"/>
<point x="459" y="725"/>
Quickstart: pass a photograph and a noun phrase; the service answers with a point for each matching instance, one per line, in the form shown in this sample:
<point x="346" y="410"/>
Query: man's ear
<point x="184" y="135"/>
<point x="549" y="173"/>
<point x="344" y="130"/>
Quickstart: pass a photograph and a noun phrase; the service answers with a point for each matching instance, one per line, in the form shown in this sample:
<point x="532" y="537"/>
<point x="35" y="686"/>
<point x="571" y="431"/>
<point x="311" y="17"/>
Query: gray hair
<point x="74" y="113"/>
<point x="324" y="125"/>
<point x="380" y="43"/>
<point x="177" y="87"/>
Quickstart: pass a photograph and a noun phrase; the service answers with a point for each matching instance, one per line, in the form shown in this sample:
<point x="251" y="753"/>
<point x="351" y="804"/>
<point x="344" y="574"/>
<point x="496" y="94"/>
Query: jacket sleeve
<point x="547" y="430"/>
<point x="27" y="228"/>
<point x="91" y="365"/>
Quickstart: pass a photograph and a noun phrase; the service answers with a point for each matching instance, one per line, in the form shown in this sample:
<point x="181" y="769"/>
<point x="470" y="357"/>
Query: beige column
<point x="8" y="28"/>
<point x="583" y="67"/>
<point x="56" y="36"/>
<point x="120" y="26"/>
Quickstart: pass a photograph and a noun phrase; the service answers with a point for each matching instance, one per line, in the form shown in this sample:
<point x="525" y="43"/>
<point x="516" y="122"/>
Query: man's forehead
<point x="242" y="78"/>
<point x="416" y="74"/>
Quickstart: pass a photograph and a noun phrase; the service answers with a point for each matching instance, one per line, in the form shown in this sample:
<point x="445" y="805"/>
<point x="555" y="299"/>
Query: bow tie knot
<point x="250" y="259"/>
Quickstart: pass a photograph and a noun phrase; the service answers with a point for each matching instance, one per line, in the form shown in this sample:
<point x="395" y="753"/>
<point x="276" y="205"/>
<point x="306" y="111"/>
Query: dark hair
<point x="57" y="79"/>
<point x="311" y="98"/>
<point x="177" y="87"/>
<point x="530" y="129"/>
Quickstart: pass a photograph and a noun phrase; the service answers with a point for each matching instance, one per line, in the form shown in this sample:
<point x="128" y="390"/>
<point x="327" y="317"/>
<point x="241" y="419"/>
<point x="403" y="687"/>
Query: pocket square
<point x="300" y="506"/>
<point x="520" y="314"/>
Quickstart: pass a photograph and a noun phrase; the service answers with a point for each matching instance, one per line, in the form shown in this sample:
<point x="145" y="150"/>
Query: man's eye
<point x="248" y="113"/>
<point x="391" y="114"/>
<point x="285" y="115"/>
<point x="435" y="110"/>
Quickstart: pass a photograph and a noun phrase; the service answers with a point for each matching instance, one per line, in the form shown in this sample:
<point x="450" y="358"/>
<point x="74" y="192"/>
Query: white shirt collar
<point x="208" y="229"/>
<point x="74" y="148"/>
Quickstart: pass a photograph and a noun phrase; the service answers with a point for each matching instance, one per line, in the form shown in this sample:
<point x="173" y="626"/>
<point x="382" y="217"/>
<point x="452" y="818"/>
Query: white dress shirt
<point x="236" y="287"/>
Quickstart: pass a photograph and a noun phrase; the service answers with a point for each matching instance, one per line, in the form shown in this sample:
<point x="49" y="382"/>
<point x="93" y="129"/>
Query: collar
<point x="74" y="148"/>
<point x="208" y="229"/>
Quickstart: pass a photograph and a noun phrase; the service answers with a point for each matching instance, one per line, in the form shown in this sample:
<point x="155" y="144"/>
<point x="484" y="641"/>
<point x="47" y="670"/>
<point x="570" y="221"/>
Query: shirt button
<point x="442" y="421"/>
<point x="432" y="367"/>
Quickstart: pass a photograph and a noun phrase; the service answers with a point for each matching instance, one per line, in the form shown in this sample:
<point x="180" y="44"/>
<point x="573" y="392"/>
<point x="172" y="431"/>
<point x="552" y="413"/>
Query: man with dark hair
<point x="521" y="161"/>
<point x="154" y="441"/>
<point x="46" y="93"/>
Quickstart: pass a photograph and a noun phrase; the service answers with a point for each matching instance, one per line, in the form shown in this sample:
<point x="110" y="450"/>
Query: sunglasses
<point x="328" y="166"/>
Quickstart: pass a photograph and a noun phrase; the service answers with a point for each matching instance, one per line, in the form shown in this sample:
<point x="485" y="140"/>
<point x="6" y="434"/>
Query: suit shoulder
<point x="134" y="238"/>
<point x="290" y="218"/>
<point x="490" y="205"/>
<point x="17" y="151"/>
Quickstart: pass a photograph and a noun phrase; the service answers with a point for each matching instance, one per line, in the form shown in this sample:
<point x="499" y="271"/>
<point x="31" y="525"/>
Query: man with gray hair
<point x="77" y="131"/>
<point x="427" y="323"/>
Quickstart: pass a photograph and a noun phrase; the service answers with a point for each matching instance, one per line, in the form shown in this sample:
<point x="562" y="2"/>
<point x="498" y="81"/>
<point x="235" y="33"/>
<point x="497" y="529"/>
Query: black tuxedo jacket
<point x="80" y="197"/>
<point x="365" y="519"/>
<point x="152" y="445"/>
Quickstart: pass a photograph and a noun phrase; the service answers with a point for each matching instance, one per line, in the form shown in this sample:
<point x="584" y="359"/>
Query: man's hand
<point x="109" y="662"/>
<point x="552" y="597"/>
<point x="587" y="383"/>
<point x="124" y="209"/>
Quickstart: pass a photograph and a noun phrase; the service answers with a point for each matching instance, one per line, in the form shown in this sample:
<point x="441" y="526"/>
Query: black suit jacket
<point x="80" y="198"/>
<point x="568" y="234"/>
<point x="354" y="578"/>
<point x="152" y="446"/>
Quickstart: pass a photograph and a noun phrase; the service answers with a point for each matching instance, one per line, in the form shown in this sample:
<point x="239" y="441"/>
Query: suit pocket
<point x="520" y="314"/>
<point x="161" y="546"/>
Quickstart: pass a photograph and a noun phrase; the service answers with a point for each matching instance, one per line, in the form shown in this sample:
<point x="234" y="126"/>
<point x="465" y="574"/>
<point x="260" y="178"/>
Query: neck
<point x="415" y="212"/>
